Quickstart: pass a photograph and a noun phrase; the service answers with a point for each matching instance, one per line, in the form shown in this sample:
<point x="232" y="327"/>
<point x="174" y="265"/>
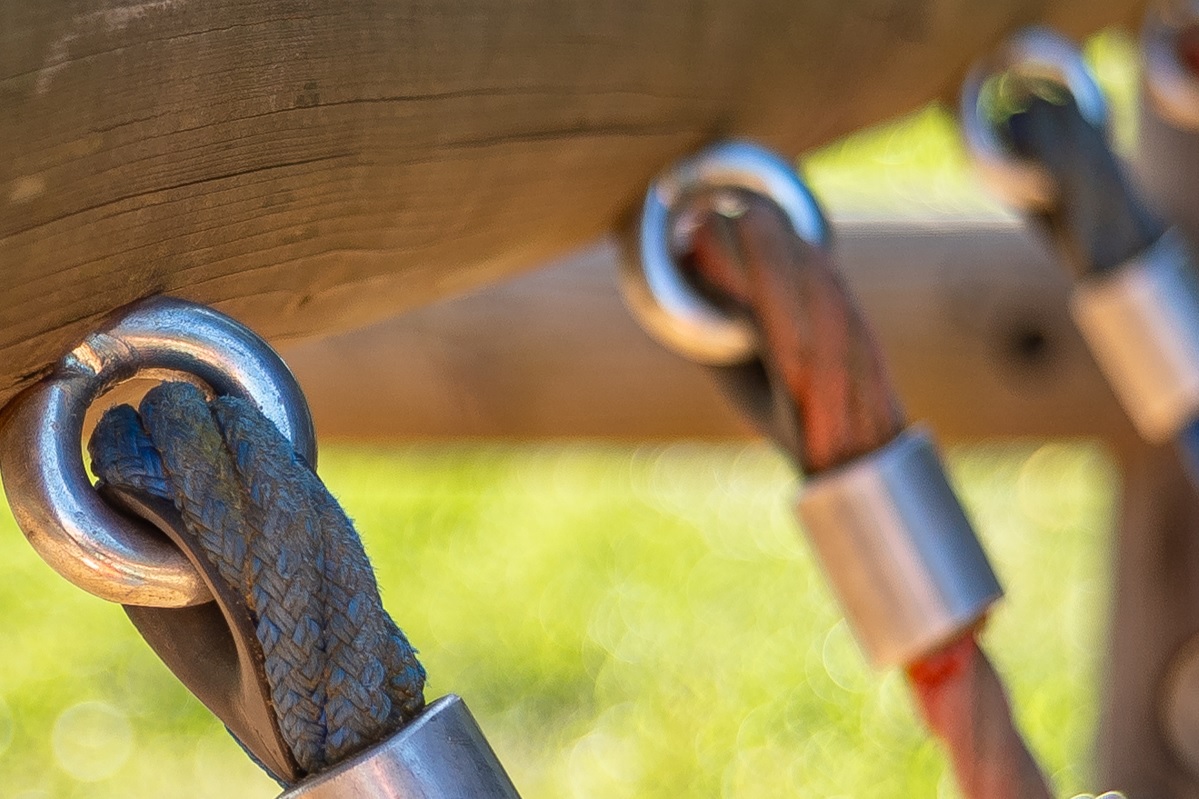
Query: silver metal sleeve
<point x="899" y="551"/>
<point x="441" y="754"/>
<point x="1141" y="323"/>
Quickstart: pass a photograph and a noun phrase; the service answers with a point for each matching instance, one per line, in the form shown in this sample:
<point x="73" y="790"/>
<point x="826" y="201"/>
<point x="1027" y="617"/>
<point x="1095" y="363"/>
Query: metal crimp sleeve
<point x="440" y="754"/>
<point x="1141" y="323"/>
<point x="895" y="543"/>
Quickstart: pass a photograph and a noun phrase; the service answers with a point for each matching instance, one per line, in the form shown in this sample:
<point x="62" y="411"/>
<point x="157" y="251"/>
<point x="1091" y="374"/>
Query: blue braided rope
<point x="342" y="674"/>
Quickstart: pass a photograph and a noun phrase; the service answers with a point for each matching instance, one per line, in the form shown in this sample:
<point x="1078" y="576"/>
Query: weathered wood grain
<point x="311" y="165"/>
<point x="972" y="315"/>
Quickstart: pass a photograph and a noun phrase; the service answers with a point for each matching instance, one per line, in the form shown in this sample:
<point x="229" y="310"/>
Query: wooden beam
<point x="309" y="165"/>
<point x="972" y="315"/>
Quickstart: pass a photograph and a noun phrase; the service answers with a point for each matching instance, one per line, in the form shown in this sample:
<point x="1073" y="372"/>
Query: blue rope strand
<point x="342" y="674"/>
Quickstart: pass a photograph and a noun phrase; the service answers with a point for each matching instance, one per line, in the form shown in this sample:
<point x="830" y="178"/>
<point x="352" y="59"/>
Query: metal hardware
<point x="668" y="307"/>
<point x="441" y="754"/>
<point x="1141" y="322"/>
<point x="898" y="550"/>
<point x="1033" y="54"/>
<point x="1172" y="84"/>
<point x="47" y="485"/>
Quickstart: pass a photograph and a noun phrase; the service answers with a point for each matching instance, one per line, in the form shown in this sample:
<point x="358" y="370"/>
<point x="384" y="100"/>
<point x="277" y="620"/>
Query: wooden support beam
<point x="313" y="166"/>
<point x="1155" y="558"/>
<point x="972" y="314"/>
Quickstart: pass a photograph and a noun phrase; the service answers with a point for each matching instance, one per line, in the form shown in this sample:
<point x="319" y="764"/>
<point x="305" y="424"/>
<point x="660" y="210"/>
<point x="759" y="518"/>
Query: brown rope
<point x="817" y="343"/>
<point x="817" y="346"/>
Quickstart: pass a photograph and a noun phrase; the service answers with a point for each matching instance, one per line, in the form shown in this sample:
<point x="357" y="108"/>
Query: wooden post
<point x="1155" y="558"/>
<point x="1149" y="743"/>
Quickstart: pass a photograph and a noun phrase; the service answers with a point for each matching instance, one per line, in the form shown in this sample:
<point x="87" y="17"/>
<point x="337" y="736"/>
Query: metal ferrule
<point x="441" y="754"/>
<point x="1141" y="322"/>
<point x="899" y="551"/>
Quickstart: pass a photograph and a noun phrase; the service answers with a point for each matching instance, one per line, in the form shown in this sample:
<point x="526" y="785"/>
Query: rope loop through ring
<point x="53" y="501"/>
<point x="658" y="294"/>
<point x="1036" y="54"/>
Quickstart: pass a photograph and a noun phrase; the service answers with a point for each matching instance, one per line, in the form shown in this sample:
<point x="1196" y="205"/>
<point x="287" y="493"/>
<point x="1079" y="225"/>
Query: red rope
<point x="964" y="704"/>
<point x="816" y="344"/>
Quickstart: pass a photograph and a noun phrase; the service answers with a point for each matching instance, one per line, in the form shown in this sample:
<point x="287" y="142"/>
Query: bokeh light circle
<point x="92" y="741"/>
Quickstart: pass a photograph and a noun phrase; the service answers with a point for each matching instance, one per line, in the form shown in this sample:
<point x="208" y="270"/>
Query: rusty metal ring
<point x="53" y="500"/>
<point x="669" y="307"/>
<point x="1172" y="85"/>
<point x="1034" y="53"/>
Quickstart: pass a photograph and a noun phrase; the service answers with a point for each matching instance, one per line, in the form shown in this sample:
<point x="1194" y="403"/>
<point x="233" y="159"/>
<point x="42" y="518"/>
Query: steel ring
<point x="669" y="307"/>
<point x="1172" y="85"/>
<point x="54" y="502"/>
<point x="1031" y="54"/>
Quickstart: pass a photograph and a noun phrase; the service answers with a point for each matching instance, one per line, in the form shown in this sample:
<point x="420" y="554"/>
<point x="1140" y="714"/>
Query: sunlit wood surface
<point x="312" y="166"/>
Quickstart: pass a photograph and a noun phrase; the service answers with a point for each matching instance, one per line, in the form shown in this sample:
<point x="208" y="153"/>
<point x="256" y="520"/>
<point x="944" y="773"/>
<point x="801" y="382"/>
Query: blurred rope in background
<point x="917" y="166"/>
<point x="626" y="622"/>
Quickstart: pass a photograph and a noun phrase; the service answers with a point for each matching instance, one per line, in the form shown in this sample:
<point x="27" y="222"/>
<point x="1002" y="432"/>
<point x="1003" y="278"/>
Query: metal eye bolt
<point x="1035" y="53"/>
<point x="54" y="502"/>
<point x="669" y="307"/>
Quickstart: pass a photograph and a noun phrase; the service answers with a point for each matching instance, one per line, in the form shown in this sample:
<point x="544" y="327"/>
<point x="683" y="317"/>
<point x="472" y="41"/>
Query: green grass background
<point x="625" y="621"/>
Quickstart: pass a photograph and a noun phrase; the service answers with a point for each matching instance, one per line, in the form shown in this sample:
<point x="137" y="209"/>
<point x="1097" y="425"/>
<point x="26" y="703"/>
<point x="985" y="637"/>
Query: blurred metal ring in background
<point x="1171" y="29"/>
<point x="1033" y="54"/>
<point x="667" y="305"/>
<point x="54" y="502"/>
